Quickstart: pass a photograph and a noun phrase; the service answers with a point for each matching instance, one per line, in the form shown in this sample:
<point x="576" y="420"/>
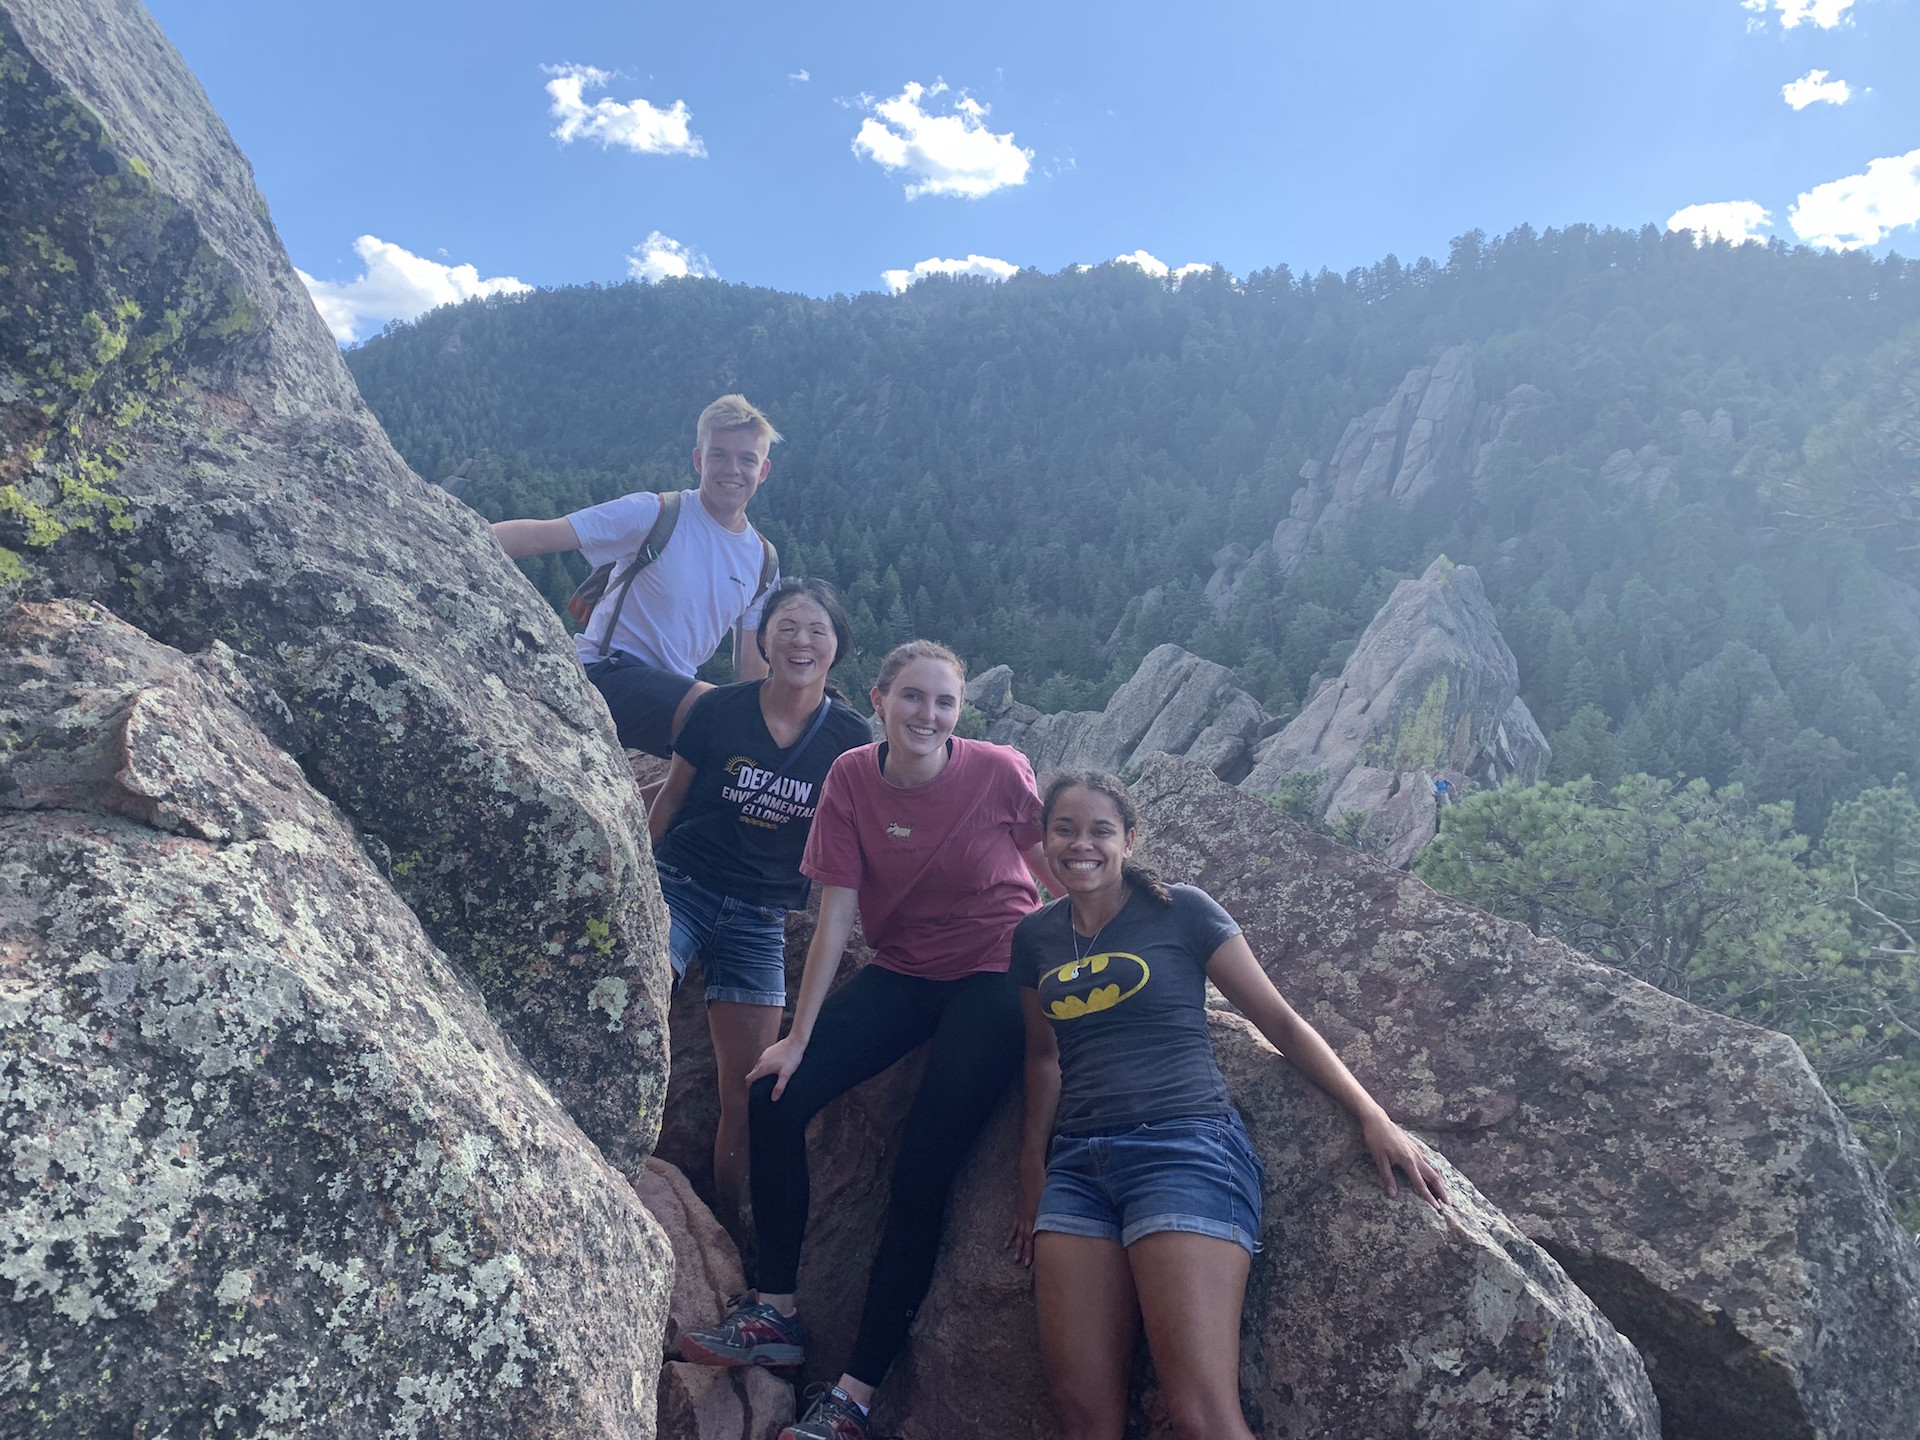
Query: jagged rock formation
<point x="1430" y="692"/>
<point x="1433" y="431"/>
<point x="1686" y="1169"/>
<point x="269" y="1168"/>
<point x="1175" y="703"/>
<point x="1499" y="1344"/>
<point x="179" y="440"/>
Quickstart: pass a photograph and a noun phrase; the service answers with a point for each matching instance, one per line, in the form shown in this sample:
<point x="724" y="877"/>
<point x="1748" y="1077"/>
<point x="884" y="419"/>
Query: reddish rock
<point x="706" y="1267"/>
<point x="698" y="1402"/>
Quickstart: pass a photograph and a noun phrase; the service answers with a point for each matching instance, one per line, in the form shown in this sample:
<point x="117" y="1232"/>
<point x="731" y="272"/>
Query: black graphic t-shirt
<point x="737" y="833"/>
<point x="1131" y="1016"/>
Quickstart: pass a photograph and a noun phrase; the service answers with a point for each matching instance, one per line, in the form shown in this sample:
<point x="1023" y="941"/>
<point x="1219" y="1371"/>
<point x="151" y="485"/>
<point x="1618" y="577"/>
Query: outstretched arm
<point x="838" y="907"/>
<point x="1043" y="1101"/>
<point x="1252" y="993"/>
<point x="521" y="538"/>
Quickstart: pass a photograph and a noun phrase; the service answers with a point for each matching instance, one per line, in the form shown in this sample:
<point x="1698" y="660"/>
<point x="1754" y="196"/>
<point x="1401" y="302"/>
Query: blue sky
<point x="569" y="142"/>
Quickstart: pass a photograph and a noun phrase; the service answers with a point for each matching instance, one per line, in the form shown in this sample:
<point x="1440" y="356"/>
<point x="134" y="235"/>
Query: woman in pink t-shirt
<point x="935" y="841"/>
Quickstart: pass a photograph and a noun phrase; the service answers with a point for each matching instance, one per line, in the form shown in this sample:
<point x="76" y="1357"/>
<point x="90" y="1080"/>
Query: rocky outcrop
<point x="1431" y="692"/>
<point x="1499" y="1344"/>
<point x="1644" y="473"/>
<point x="698" y="1402"/>
<point x="1364" y="1316"/>
<point x="269" y="1168"/>
<point x="180" y="441"/>
<point x="1175" y="704"/>
<point x="1432" y="431"/>
<point x="1687" y="1170"/>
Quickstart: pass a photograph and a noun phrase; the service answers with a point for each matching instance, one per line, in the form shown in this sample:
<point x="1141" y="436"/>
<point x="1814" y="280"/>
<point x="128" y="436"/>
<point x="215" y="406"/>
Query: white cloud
<point x="636" y="124"/>
<point x="800" y="75"/>
<point x="952" y="154"/>
<point x="396" y="285"/>
<point x="898" y="280"/>
<point x="1735" y="221"/>
<point x="1159" y="269"/>
<point x="1858" y="210"/>
<point x="1821" y="14"/>
<point x="1814" y="87"/>
<point x="660" y="258"/>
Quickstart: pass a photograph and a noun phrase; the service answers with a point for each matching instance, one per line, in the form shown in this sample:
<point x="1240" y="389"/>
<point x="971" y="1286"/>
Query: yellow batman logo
<point x="1119" y="976"/>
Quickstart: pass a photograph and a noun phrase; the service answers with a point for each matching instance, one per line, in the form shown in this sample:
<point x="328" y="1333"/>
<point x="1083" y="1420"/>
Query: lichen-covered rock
<point x="180" y="441"/>
<point x="1687" y="1170"/>
<point x="269" y="1168"/>
<point x="1364" y="1316"/>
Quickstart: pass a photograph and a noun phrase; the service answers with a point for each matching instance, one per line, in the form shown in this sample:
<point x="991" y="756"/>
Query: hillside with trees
<point x="1012" y="467"/>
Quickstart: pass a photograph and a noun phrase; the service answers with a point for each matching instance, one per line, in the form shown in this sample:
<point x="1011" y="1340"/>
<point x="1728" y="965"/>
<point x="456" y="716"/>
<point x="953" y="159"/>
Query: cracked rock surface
<point x="269" y="1168"/>
<point x="180" y="441"/>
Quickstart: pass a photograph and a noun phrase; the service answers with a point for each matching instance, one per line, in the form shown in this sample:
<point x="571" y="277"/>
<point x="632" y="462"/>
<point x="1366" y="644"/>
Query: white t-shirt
<point x="684" y="603"/>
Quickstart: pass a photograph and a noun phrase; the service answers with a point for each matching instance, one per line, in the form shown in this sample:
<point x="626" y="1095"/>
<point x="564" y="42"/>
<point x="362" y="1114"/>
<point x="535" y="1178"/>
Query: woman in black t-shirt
<point x="729" y="827"/>
<point x="1148" y="1206"/>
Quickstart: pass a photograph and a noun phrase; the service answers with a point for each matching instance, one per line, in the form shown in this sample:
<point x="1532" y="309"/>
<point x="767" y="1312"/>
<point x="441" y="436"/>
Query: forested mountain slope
<point x="1010" y="466"/>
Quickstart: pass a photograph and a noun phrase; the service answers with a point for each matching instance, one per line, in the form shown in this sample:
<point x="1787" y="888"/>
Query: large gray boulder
<point x="268" y="1169"/>
<point x="181" y="442"/>
<point x="1430" y="692"/>
<point x="1176" y="704"/>
<point x="1687" y="1170"/>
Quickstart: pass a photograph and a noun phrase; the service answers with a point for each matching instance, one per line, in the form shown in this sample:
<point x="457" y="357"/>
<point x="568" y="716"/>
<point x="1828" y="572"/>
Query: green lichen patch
<point x="108" y="293"/>
<point x="266" y="1169"/>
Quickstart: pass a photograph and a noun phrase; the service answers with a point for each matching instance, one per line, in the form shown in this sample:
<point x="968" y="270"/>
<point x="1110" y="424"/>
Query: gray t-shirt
<point x="1130" y="1017"/>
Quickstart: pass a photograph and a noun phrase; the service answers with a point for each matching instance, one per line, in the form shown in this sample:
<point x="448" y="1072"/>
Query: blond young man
<point x="643" y="642"/>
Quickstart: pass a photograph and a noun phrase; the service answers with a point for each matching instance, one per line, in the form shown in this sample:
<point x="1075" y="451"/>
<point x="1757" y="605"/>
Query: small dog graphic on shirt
<point x="897" y="831"/>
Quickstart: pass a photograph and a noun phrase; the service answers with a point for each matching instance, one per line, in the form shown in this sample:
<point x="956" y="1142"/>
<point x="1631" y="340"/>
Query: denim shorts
<point x="743" y="947"/>
<point x="1193" y="1173"/>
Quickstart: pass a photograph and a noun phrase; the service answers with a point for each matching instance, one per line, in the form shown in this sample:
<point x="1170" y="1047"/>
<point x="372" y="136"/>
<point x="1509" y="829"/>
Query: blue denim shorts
<point x="742" y="947"/>
<point x="1193" y="1173"/>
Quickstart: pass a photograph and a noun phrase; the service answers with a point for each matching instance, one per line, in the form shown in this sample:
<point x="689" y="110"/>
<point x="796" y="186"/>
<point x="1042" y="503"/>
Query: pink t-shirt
<point x="937" y="867"/>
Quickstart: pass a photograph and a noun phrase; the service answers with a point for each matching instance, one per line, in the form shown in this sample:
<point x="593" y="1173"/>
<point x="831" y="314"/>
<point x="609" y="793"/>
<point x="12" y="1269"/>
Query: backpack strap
<point x="650" y="548"/>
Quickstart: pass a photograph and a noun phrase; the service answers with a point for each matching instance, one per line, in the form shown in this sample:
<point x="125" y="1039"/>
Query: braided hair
<point x="1102" y="782"/>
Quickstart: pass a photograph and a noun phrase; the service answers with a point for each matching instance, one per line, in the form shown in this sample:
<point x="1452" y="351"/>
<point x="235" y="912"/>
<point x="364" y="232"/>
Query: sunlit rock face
<point x="1431" y="692"/>
<point x="269" y="1169"/>
<point x="180" y="441"/>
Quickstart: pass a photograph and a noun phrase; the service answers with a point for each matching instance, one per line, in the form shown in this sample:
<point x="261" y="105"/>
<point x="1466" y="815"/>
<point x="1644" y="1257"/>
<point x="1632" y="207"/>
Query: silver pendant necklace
<point x="1073" y="935"/>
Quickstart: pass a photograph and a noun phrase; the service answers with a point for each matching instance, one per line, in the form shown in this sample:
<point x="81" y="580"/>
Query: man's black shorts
<point x="642" y="699"/>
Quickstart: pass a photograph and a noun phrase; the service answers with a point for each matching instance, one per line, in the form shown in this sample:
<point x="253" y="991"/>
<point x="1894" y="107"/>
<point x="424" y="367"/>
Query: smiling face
<point x="921" y="707"/>
<point x="731" y="464"/>
<point x="799" y="642"/>
<point x="1087" y="841"/>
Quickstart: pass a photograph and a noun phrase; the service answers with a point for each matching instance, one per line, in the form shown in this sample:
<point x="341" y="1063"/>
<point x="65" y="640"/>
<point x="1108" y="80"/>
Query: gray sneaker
<point x="832" y="1416"/>
<point x="754" y="1333"/>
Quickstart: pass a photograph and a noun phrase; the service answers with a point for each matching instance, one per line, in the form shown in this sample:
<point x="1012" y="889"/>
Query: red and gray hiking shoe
<point x="832" y="1416"/>
<point x="754" y="1333"/>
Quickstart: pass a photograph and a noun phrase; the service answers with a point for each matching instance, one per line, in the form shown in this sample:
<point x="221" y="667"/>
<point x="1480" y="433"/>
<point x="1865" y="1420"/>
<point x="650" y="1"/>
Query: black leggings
<point x="865" y="1026"/>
